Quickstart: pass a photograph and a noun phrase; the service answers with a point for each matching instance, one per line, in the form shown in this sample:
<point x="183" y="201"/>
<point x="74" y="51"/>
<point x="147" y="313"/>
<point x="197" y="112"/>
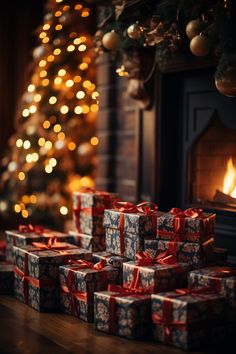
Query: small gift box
<point x="89" y="206"/>
<point x="187" y="318"/>
<point x="27" y="234"/>
<point x="122" y="313"/>
<point x="190" y="225"/>
<point x="37" y="270"/>
<point x="152" y="275"/>
<point x="94" y="243"/>
<point x="79" y="281"/>
<point x="128" y="225"/>
<point x="195" y="254"/>
<point x="6" y="278"/>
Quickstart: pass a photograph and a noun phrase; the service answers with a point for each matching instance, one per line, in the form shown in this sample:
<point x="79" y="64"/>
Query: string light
<point x="33" y="108"/>
<point x="85" y="13"/>
<point x="70" y="48"/>
<point x="57" y="128"/>
<point x="82" y="48"/>
<point x="31" y="88"/>
<point x="25" y="214"/>
<point x="58" y="27"/>
<point x="37" y="97"/>
<point x="17" y="208"/>
<point x="52" y="100"/>
<point x="29" y="158"/>
<point x="58" y="80"/>
<point x="46" y="124"/>
<point x="78" y="110"/>
<point x="25" y="112"/>
<point x="50" y="58"/>
<point x="42" y="63"/>
<point x="35" y="157"/>
<point x="45" y="82"/>
<point x="66" y="8"/>
<point x="26" y="144"/>
<point x="94" y="108"/>
<point x="77" y="79"/>
<point x="48" y="145"/>
<point x="69" y="83"/>
<point x="59" y="1"/>
<point x="83" y="66"/>
<point x="87" y="60"/>
<point x="12" y="166"/>
<point x="19" y="143"/>
<point x="95" y="95"/>
<point x="59" y="144"/>
<point x="58" y="13"/>
<point x="42" y="35"/>
<point x="41" y="141"/>
<point x="57" y="51"/>
<point x="77" y="41"/>
<point x="71" y="146"/>
<point x="94" y="141"/>
<point x="61" y="72"/>
<point x="21" y="176"/>
<point x="86" y="83"/>
<point x="45" y="40"/>
<point x="46" y="27"/>
<point x="78" y="7"/>
<point x="33" y="199"/>
<point x="43" y="73"/>
<point x="48" y="169"/>
<point x="52" y="162"/>
<point x="61" y="136"/>
<point x="63" y="210"/>
<point x="64" y="109"/>
<point x="85" y="109"/>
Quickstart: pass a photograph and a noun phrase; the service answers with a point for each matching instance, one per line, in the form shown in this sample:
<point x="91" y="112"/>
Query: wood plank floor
<point x="26" y="331"/>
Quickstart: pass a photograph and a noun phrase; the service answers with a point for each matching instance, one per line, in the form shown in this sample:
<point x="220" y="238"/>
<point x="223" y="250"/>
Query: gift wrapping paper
<point x="78" y="298"/>
<point x="154" y="278"/>
<point x="195" y="254"/>
<point x="95" y="243"/>
<point x="112" y="259"/>
<point x="37" y="274"/>
<point x="187" y="320"/>
<point x="6" y="278"/>
<point x="130" y="316"/>
<point x="192" y="229"/>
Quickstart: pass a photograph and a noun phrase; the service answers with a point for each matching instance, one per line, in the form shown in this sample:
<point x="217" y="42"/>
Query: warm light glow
<point x="86" y="83"/>
<point x="31" y="88"/>
<point x="43" y="73"/>
<point x="29" y="158"/>
<point x="48" y="169"/>
<point x="61" y="136"/>
<point x="50" y="58"/>
<point x="64" y="109"/>
<point x="83" y="66"/>
<point x="41" y="141"/>
<point x="63" y="210"/>
<point x="58" y="13"/>
<point x="91" y="87"/>
<point x="25" y="213"/>
<point x="70" y="48"/>
<point x="77" y="79"/>
<point x="73" y="35"/>
<point x="86" y="181"/>
<point x="62" y="72"/>
<point x="26" y="144"/>
<point x="59" y="1"/>
<point x="82" y="48"/>
<point x="48" y="145"/>
<point x="87" y="60"/>
<point x="229" y="184"/>
<point x="17" y="208"/>
<point x="66" y="8"/>
<point x="42" y="35"/>
<point x="46" y="26"/>
<point x="94" y="108"/>
<point x="59" y="144"/>
<point x="83" y="39"/>
<point x="45" y="40"/>
<point x="78" y="7"/>
<point x="12" y="166"/>
<point x="58" y="80"/>
<point x="33" y="108"/>
<point x="46" y="124"/>
<point x="19" y="143"/>
<point x="80" y="94"/>
<point x="58" y="27"/>
<point x="52" y="162"/>
<point x="33" y="199"/>
<point x="57" y="128"/>
<point x="42" y="63"/>
<point x="25" y="199"/>
<point x="85" y="109"/>
<point x="37" y="97"/>
<point x="78" y="110"/>
<point x="57" y="51"/>
<point x="85" y="13"/>
<point x="35" y="157"/>
<point x="94" y="141"/>
<point x="21" y="176"/>
<point x="95" y="95"/>
<point x="25" y="113"/>
<point x="71" y="146"/>
<point x="77" y="41"/>
<point x="69" y="83"/>
<point x="52" y="100"/>
<point x="45" y="82"/>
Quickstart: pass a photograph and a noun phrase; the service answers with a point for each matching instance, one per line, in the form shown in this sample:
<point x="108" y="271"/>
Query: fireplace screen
<point x="213" y="167"/>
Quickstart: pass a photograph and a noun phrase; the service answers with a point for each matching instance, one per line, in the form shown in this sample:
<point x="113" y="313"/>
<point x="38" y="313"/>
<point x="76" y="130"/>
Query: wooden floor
<point x="26" y="331"/>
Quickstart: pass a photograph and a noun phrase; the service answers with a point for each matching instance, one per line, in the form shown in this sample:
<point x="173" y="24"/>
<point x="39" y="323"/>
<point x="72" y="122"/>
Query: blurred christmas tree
<point x="52" y="152"/>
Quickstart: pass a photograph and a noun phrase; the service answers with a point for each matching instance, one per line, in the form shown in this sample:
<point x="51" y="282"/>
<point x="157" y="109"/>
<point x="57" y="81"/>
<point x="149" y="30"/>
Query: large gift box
<point x="193" y="253"/>
<point x="127" y="226"/>
<point x="190" y="225"/>
<point x="95" y="243"/>
<point x="37" y="272"/>
<point x="122" y="313"/>
<point x="79" y="281"/>
<point x="187" y="318"/>
<point x="27" y="234"/>
<point x="152" y="275"/>
<point x="6" y="278"/>
<point x="89" y="206"/>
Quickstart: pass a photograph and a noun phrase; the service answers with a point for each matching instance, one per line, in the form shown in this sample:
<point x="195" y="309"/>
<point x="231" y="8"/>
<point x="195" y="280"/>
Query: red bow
<point x="51" y="244"/>
<point x="145" y="259"/>
<point x="83" y="264"/>
<point x="38" y="229"/>
<point x="180" y="216"/>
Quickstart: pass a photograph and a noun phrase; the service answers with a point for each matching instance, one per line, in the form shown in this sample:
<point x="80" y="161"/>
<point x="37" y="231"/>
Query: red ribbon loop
<point x="180" y="216"/>
<point x="125" y="207"/>
<point x="38" y="229"/>
<point x="145" y="259"/>
<point x="147" y="208"/>
<point x="51" y="244"/>
<point x="83" y="264"/>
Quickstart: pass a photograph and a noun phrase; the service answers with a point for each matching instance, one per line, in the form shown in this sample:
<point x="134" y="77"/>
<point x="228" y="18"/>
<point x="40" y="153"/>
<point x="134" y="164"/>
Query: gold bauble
<point x="134" y="31"/>
<point x="226" y="85"/>
<point x="193" y="28"/>
<point x="110" y="40"/>
<point x="200" y="45"/>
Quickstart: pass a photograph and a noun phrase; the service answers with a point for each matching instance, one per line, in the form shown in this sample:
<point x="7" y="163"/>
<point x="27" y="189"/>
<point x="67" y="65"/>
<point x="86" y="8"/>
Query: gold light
<point x="46" y="124"/>
<point x="57" y="128"/>
<point x="70" y="48"/>
<point x="19" y="143"/>
<point x="62" y="72"/>
<point x="17" y="208"/>
<point x="52" y="162"/>
<point x="82" y="48"/>
<point x="78" y="110"/>
<point x="80" y="94"/>
<point x="37" y="97"/>
<point x="41" y="141"/>
<point x="83" y="39"/>
<point x="42" y="35"/>
<point x="57" y="51"/>
<point x="25" y="214"/>
<point x="26" y="144"/>
<point x="71" y="146"/>
<point x="85" y="13"/>
<point x="69" y="83"/>
<point x="43" y="73"/>
<point x="52" y="100"/>
<point x="59" y="1"/>
<point x="25" y="199"/>
<point x="61" y="136"/>
<point x="77" y="79"/>
<point x="25" y="113"/>
<point x="91" y="87"/>
<point x="45" y="40"/>
<point x="29" y="158"/>
<point x="45" y="82"/>
<point x="42" y="63"/>
<point x="31" y="88"/>
<point x="78" y="7"/>
<point x="48" y="169"/>
<point x="66" y="8"/>
<point x="21" y="176"/>
<point x="85" y="109"/>
<point x="94" y="108"/>
<point x="64" y="109"/>
<point x="33" y="199"/>
<point x="87" y="60"/>
<point x="94" y="141"/>
<point x="50" y="58"/>
<point x="77" y="41"/>
<point x="63" y="210"/>
<point x="58" y="13"/>
<point x="86" y="83"/>
<point x="95" y="94"/>
<point x="46" y="26"/>
<point x="86" y="182"/>
<point x="83" y="66"/>
<point x="48" y="145"/>
<point x="33" y="108"/>
<point x="35" y="157"/>
<point x="58" y="80"/>
<point x="58" y="27"/>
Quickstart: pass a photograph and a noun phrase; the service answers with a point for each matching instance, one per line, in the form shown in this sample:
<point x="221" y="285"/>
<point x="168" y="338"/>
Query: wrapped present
<point x="79" y="281"/>
<point x="89" y="206"/>
<point x="187" y="318"/>
<point x="122" y="313"/>
<point x="152" y="275"/>
<point x="6" y="278"/>
<point x="128" y="225"/>
<point x="195" y="254"/>
<point x="37" y="272"/>
<point x="112" y="259"/>
<point x="27" y="234"/>
<point x="95" y="243"/>
<point x="2" y="251"/>
<point x="190" y="225"/>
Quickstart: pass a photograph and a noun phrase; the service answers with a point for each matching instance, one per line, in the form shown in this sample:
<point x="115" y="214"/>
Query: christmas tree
<point x="52" y="151"/>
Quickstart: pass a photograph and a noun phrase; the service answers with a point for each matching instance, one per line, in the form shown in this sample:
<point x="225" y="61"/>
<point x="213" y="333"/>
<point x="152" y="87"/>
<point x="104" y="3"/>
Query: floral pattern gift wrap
<point x="37" y="272"/>
<point x="95" y="243"/>
<point x="89" y="206"/>
<point x="188" y="318"/>
<point x="79" y="281"/>
<point x="152" y="275"/>
<point x="190" y="225"/>
<point x="6" y="278"/>
<point x="128" y="225"/>
<point x="122" y="313"/>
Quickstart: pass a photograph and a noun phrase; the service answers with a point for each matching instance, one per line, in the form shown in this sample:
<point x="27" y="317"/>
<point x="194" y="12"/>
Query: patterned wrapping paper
<point x="6" y="278"/>
<point x="78" y="298"/>
<point x="192" y="229"/>
<point x="130" y="317"/>
<point x="39" y="270"/>
<point x="21" y="239"/>
<point x="95" y="243"/>
<point x="154" y="278"/>
<point x="112" y="259"/>
<point x="187" y="321"/>
<point x="195" y="254"/>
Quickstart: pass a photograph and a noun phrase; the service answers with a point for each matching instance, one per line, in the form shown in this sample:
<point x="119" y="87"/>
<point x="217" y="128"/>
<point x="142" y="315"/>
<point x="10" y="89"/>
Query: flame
<point x="229" y="184"/>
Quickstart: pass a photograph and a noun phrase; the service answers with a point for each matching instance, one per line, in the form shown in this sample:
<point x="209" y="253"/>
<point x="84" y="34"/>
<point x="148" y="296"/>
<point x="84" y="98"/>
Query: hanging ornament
<point x="193" y="28"/>
<point x="134" y="31"/>
<point x="226" y="84"/>
<point x="110" y="40"/>
<point x="200" y="45"/>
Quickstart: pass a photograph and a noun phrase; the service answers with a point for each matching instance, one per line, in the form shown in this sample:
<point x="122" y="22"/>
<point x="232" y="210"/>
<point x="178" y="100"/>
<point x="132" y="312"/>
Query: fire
<point x="229" y="185"/>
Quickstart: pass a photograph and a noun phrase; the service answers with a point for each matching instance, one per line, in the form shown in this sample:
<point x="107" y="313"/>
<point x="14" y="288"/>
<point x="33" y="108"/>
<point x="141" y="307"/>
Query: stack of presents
<point x="132" y="270"/>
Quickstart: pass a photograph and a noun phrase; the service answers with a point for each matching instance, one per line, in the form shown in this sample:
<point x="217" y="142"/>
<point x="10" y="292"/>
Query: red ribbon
<point x="51" y="244"/>
<point x="180" y="216"/>
<point x="38" y="229"/>
<point x="220" y="273"/>
<point x="128" y="207"/>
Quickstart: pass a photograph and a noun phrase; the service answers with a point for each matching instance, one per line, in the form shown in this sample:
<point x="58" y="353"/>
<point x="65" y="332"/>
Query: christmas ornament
<point x="110" y="40"/>
<point x="200" y="45"/>
<point x="134" y="31"/>
<point x="193" y="28"/>
<point x="226" y="84"/>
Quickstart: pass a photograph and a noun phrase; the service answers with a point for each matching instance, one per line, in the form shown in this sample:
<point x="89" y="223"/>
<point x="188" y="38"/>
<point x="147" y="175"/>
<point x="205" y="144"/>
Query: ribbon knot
<point x="180" y="216"/>
<point x="38" y="229"/>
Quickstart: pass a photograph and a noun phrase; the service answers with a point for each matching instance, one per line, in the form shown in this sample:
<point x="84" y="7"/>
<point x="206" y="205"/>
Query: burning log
<point x="223" y="198"/>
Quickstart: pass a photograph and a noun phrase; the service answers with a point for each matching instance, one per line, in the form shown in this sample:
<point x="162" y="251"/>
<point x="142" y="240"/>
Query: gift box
<point x="89" y="206"/>
<point x="191" y="225"/>
<point x="6" y="278"/>
<point x="187" y="318"/>
<point x="127" y="227"/>
<point x="152" y="275"/>
<point x="195" y="254"/>
<point x="27" y="234"/>
<point x="37" y="272"/>
<point x="111" y="259"/>
<point x="79" y="281"/>
<point x="94" y="243"/>
<point x="122" y="313"/>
